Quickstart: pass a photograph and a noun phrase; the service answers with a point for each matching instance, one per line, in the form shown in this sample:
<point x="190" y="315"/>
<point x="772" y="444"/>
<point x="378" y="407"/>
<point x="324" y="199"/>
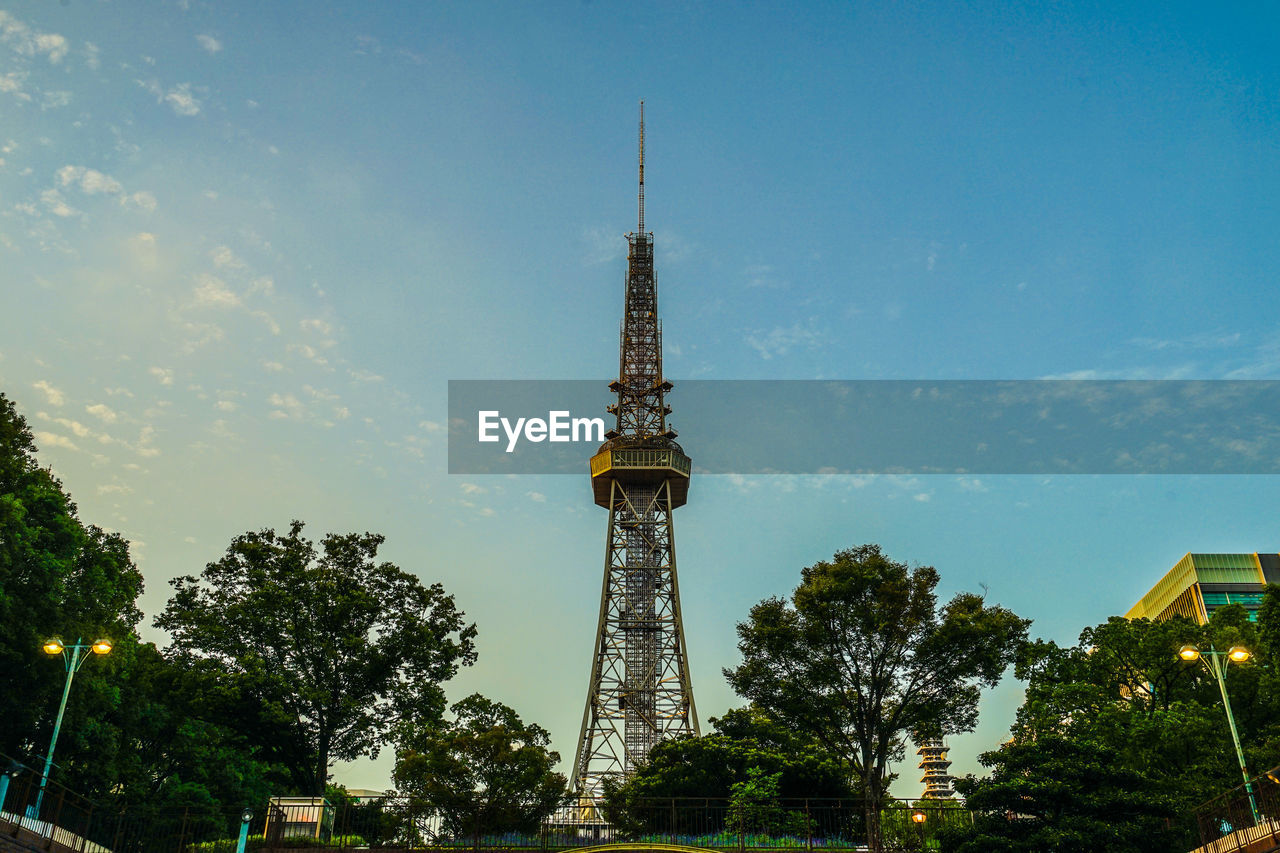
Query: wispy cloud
<point x="209" y="44"/>
<point x="179" y="98"/>
<point x="46" y="439"/>
<point x="783" y="339"/>
<point x="103" y="412"/>
<point x="52" y="395"/>
<point x="92" y="182"/>
<point x="212" y="292"/>
<point x="32" y="43"/>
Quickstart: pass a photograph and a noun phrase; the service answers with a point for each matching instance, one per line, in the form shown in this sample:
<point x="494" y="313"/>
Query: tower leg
<point x="639" y="693"/>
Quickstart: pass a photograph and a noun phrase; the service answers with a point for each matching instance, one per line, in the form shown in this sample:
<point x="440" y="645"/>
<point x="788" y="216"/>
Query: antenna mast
<point x="640" y="229"/>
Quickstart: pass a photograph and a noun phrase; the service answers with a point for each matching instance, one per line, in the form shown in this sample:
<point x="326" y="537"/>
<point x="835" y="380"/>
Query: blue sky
<point x="243" y="247"/>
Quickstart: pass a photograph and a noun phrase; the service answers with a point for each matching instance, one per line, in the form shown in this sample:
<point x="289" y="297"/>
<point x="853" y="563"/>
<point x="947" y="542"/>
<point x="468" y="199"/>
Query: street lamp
<point x="78" y="655"/>
<point x="1213" y="660"/>
<point x="919" y="817"/>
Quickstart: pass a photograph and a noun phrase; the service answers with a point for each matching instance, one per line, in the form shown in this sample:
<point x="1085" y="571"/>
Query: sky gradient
<point x="243" y="247"/>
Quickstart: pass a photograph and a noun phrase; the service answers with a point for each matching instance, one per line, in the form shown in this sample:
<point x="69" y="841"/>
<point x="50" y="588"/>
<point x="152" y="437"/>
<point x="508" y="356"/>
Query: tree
<point x="1117" y="731"/>
<point x="486" y="772"/>
<point x="58" y="576"/>
<point x="1055" y="795"/>
<point x="327" y="650"/>
<point x="863" y="656"/>
<point x="745" y="739"/>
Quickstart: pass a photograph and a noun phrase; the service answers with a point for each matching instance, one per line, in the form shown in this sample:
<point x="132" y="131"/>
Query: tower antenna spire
<point x="640" y="229"/>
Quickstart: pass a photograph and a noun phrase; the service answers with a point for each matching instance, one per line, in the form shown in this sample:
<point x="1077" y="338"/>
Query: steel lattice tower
<point x="639" y="693"/>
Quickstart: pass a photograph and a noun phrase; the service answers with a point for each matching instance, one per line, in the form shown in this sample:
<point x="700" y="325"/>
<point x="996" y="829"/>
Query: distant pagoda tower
<point x="639" y="693"/>
<point x="934" y="763"/>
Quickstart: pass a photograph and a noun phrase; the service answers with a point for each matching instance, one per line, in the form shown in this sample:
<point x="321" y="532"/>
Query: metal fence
<point x="66" y="822"/>
<point x="715" y="824"/>
<point x="62" y="821"/>
<point x="1242" y="818"/>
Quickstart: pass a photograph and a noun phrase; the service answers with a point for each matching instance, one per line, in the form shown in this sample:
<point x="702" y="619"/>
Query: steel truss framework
<point x="639" y="693"/>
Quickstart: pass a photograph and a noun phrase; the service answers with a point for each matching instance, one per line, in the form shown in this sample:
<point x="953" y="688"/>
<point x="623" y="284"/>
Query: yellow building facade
<point x="1201" y="583"/>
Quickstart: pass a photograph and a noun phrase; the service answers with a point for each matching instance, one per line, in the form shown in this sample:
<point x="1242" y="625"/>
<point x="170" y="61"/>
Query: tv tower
<point x="639" y="692"/>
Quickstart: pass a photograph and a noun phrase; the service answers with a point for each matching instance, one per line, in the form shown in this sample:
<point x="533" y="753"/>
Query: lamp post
<point x="918" y="817"/>
<point x="78" y="655"/>
<point x="1213" y="660"/>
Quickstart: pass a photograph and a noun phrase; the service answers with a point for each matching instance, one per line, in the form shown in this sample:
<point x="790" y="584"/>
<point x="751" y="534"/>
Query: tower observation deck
<point x="639" y="691"/>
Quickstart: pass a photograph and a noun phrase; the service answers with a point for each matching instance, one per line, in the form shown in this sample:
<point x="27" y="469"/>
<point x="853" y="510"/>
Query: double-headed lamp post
<point x="73" y="657"/>
<point x="1214" y="660"/>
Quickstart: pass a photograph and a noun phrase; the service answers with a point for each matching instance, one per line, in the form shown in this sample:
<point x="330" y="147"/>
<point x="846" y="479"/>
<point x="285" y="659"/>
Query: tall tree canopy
<point x="329" y="648"/>
<point x="484" y="772"/>
<point x="862" y="657"/>
<point x="1117" y="731"/>
<point x="58" y="576"/>
<point x="744" y="739"/>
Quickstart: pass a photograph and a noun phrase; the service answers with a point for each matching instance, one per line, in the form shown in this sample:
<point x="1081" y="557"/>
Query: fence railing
<point x="1243" y="817"/>
<point x="69" y="823"/>
<point x="63" y="821"/>
<point x="715" y="824"/>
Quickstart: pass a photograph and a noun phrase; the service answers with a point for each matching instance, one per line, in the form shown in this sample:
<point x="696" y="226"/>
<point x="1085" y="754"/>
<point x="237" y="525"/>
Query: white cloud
<point x="56" y="205"/>
<point x="28" y="42"/>
<point x="209" y="44"/>
<point x="91" y="53"/>
<point x="164" y="374"/>
<point x="781" y="340"/>
<point x="287" y="405"/>
<point x="310" y="353"/>
<point x="142" y="200"/>
<point x="52" y="439"/>
<point x="212" y="292"/>
<point x="222" y="256"/>
<point x="315" y="324"/>
<point x="226" y="405"/>
<point x="473" y="489"/>
<point x="114" y="489"/>
<point x="55" y="99"/>
<point x="539" y="497"/>
<point x="178" y="97"/>
<point x="182" y="101"/>
<point x="103" y="412"/>
<point x="90" y="181"/>
<point x="51" y="394"/>
<point x="11" y="83"/>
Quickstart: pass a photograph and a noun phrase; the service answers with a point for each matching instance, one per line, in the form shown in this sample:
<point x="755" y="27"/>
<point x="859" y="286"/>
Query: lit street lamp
<point x="73" y="661"/>
<point x="1213" y="660"/>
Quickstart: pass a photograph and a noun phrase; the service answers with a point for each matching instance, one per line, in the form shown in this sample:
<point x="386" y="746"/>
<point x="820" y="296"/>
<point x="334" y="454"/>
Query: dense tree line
<point x="285" y="656"/>
<point x="1118" y="740"/>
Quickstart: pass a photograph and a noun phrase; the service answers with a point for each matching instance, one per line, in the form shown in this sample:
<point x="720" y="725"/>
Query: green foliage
<point x="324" y="651"/>
<point x="862" y="657"/>
<point x="288" y="842"/>
<point x="1119" y="737"/>
<point x="754" y="807"/>
<point x="1054" y="795"/>
<point x="745" y="741"/>
<point x="58" y="576"/>
<point x="485" y="772"/>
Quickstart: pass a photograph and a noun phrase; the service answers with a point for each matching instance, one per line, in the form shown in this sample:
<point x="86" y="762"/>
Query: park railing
<point x="401" y="823"/>
<point x="1245" y="818"/>
<point x="62" y="821"/>
<point x="59" y="820"/>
